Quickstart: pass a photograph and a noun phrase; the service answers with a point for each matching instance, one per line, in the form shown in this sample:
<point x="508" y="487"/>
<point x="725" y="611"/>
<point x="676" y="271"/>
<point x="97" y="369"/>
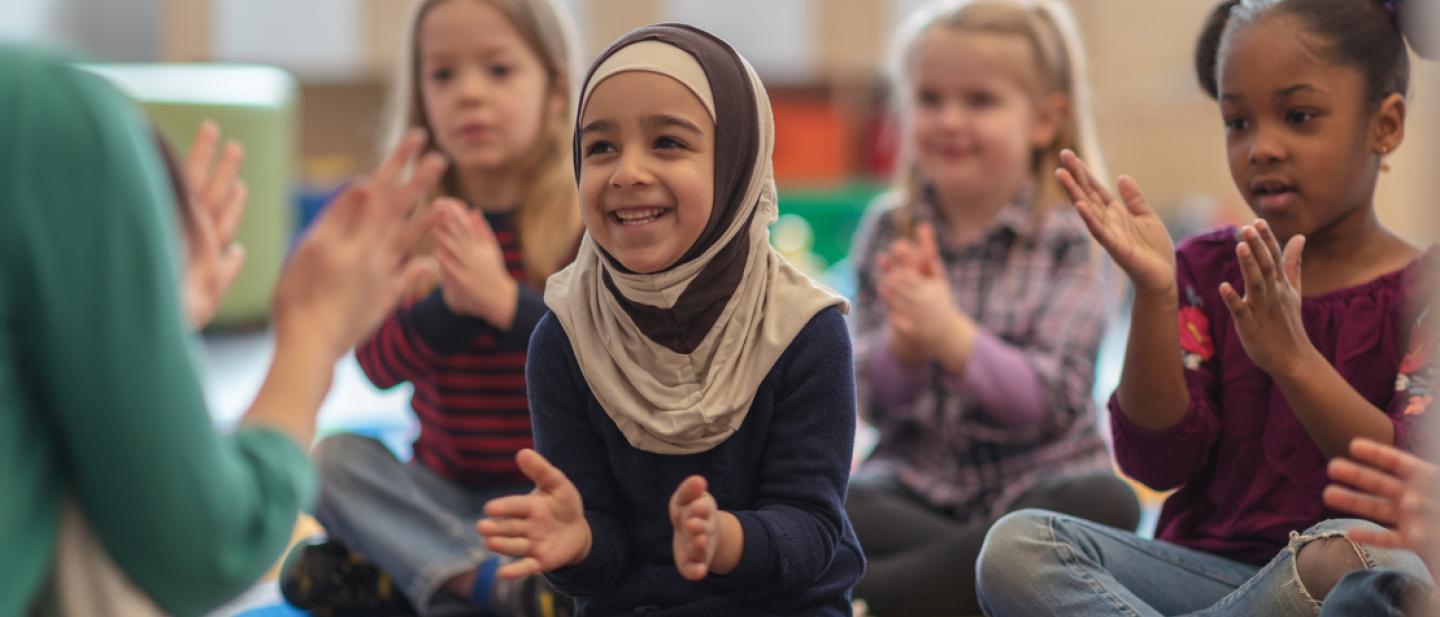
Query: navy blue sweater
<point x="783" y="475"/>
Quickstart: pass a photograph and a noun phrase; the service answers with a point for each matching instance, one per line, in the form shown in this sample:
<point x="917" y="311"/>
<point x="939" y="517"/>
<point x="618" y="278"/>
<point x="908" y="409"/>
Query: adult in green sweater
<point x="100" y="404"/>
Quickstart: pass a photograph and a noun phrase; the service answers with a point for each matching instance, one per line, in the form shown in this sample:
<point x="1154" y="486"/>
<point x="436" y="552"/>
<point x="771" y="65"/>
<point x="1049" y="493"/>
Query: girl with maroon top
<point x="1270" y="369"/>
<point x="492" y="82"/>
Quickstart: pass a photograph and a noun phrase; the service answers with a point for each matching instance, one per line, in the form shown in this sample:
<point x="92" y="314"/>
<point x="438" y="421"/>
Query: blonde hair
<point x="1050" y="29"/>
<point x="548" y="216"/>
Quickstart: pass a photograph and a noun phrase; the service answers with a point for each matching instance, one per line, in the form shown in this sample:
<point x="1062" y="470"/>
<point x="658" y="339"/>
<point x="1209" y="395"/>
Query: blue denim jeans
<point x="1378" y="593"/>
<point x="1036" y="563"/>
<point x="416" y="526"/>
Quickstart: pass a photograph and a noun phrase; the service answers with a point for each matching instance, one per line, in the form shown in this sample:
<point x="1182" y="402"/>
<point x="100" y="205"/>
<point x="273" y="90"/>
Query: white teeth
<point x="637" y="216"/>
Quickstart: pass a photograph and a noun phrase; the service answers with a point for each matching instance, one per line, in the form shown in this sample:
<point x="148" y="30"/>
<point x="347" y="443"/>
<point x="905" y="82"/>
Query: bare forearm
<point x="1152" y="389"/>
<point x="1331" y="411"/>
<point x="296" y="384"/>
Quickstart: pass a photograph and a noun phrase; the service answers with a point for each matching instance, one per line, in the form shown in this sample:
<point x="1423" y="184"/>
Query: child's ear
<point x="1050" y="113"/>
<point x="1387" y="130"/>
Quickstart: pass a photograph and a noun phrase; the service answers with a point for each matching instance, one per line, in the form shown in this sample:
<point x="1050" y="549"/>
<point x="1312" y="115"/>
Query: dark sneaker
<point x="330" y="580"/>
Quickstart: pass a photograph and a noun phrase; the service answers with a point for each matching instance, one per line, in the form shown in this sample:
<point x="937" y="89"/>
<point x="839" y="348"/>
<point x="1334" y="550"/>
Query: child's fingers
<point x="1398" y="461"/>
<point x="520" y="568"/>
<point x="509" y="546"/>
<point x="691" y="489"/>
<point x="1076" y="168"/>
<point x="409" y="276"/>
<point x="1376" y="537"/>
<point x="1097" y="227"/>
<point x="1134" y="199"/>
<point x="699" y="546"/>
<point x="929" y="250"/>
<point x="480" y="228"/>
<point x="450" y="269"/>
<point x="1264" y="258"/>
<point x="696" y="525"/>
<point x="1093" y="186"/>
<point x="1255" y="291"/>
<point x="1367" y="479"/>
<point x="696" y="550"/>
<point x="547" y="477"/>
<point x="451" y="207"/>
<point x="514" y="506"/>
<point x="1234" y="302"/>
<point x="459" y="228"/>
<point x="1366" y="506"/>
<point x="701" y="508"/>
<point x="448" y="244"/>
<point x="1268" y="236"/>
<point x="1293" y="256"/>
<point x="1072" y="188"/>
<point x="904" y="252"/>
<point x="694" y="571"/>
<point x="507" y="527"/>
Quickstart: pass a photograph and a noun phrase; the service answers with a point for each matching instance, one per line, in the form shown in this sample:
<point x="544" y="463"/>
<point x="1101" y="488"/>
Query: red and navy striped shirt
<point x="469" y="377"/>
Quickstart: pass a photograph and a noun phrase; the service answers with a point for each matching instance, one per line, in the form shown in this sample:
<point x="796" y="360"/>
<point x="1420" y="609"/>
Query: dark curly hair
<point x="1370" y="35"/>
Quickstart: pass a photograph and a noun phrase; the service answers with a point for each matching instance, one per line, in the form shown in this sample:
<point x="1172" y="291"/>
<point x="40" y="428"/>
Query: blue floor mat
<point x="279" y="610"/>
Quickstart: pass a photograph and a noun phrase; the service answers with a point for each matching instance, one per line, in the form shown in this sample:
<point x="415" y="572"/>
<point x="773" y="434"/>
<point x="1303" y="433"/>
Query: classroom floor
<point x="234" y="365"/>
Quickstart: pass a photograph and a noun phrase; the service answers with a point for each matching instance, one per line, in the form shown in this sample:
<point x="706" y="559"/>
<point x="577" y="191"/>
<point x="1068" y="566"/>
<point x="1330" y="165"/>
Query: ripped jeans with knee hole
<point x="1038" y="563"/>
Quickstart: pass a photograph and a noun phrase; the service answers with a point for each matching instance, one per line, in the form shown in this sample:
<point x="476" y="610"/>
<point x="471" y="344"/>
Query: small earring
<point x="1384" y="166"/>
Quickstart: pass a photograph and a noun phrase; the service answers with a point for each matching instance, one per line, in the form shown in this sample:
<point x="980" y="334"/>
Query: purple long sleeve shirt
<point x="1247" y="471"/>
<point x="1021" y="411"/>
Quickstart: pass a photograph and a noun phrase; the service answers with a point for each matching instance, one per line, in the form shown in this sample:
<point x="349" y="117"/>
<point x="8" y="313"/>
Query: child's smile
<point x="638" y="216"/>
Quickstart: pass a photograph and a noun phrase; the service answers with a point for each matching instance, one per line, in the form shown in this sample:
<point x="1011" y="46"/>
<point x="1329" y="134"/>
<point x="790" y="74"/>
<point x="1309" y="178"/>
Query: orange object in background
<point x="814" y="143"/>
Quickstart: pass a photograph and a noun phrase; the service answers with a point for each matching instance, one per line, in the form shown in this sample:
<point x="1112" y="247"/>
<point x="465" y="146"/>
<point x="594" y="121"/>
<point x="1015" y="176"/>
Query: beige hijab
<point x="675" y="357"/>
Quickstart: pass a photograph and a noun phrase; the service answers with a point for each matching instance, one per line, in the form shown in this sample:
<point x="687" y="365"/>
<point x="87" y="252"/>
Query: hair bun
<point x="1419" y="21"/>
<point x="1207" y="46"/>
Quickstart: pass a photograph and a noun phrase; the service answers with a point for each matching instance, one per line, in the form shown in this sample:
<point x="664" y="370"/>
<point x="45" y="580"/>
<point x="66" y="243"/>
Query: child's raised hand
<point x="696" y="518"/>
<point x="923" y="318"/>
<point x="545" y="529"/>
<point x="1391" y="487"/>
<point x="216" y="200"/>
<point x="473" y="277"/>
<point x="1267" y="318"/>
<point x="355" y="262"/>
<point x="1127" y="228"/>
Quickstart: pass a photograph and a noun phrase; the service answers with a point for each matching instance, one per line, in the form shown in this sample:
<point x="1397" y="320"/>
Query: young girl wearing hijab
<point x="691" y="392"/>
